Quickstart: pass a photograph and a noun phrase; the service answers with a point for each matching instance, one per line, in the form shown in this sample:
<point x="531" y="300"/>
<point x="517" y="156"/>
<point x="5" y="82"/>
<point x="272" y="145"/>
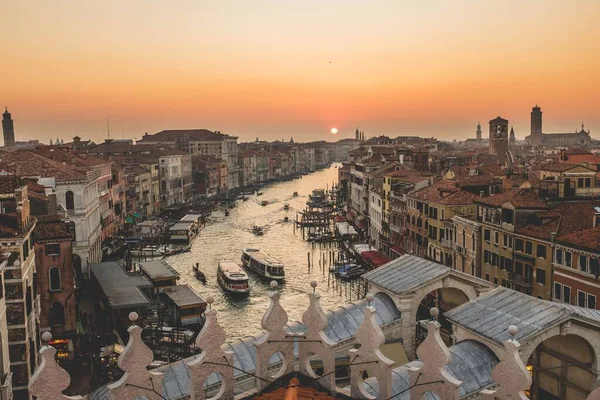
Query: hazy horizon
<point x="280" y="69"/>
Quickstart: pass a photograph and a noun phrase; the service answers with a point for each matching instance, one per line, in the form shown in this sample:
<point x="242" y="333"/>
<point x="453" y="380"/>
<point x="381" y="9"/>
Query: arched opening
<point x="444" y="299"/>
<point x="54" y="279"/>
<point x="57" y="314"/>
<point x="562" y="368"/>
<point x="70" y="200"/>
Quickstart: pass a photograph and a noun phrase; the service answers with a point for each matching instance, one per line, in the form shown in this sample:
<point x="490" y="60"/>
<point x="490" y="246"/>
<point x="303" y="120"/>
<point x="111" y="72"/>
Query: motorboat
<point x="232" y="278"/>
<point x="263" y="264"/>
<point x="295" y="194"/>
<point x="199" y="274"/>
<point x="259" y="193"/>
<point x="169" y="251"/>
<point x="350" y="271"/>
<point x="286" y="219"/>
<point x="148" y="251"/>
<point x="286" y="206"/>
<point x="258" y="230"/>
<point x="264" y="203"/>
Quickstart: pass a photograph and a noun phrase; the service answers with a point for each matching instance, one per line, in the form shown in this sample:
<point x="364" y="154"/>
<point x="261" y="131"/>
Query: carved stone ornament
<point x="510" y="374"/>
<point x="50" y="380"/>
<point x="210" y="339"/>
<point x="274" y="340"/>
<point x="316" y="343"/>
<point x="137" y="380"/>
<point x="368" y="358"/>
<point x="564" y="328"/>
<point x="433" y="376"/>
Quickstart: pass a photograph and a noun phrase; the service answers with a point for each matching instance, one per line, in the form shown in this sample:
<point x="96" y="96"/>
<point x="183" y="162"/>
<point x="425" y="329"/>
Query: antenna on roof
<point x="107" y="127"/>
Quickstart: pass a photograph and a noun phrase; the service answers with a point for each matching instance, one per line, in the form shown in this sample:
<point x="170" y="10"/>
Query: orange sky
<point x="281" y="68"/>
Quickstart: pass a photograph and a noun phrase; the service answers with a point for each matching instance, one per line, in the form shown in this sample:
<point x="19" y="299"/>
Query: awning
<point x="340" y="218"/>
<point x="136" y="215"/>
<point x="375" y="258"/>
<point x="129" y="220"/>
<point x="350" y="214"/>
<point x="398" y="250"/>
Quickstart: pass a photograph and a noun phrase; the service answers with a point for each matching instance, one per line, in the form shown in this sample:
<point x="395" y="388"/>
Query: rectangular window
<point x="594" y="270"/>
<point x="540" y="276"/>
<point x="528" y="247"/>
<point x="591" y="301"/>
<point x="53" y="249"/>
<point x="508" y="265"/>
<point x="581" y="298"/>
<point x="568" y="258"/>
<point x="559" y="256"/>
<point x="519" y="244"/>
<point x="486" y="257"/>
<point x="557" y="291"/>
<point x="502" y="260"/>
<point x="566" y="294"/>
<point x="487" y="277"/>
<point x="496" y="237"/>
<point x="486" y="235"/>
<point x="519" y="268"/>
<point x="495" y="281"/>
<point x="583" y="263"/>
<point x="494" y="259"/>
<point x="541" y="251"/>
<point x="580" y="182"/>
<point x="505" y="240"/>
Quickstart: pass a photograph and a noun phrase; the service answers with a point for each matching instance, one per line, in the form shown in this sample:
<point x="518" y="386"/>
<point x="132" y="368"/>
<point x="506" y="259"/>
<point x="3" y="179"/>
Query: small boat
<point x="286" y="219"/>
<point x="227" y="212"/>
<point x="295" y="194"/>
<point x="148" y="251"/>
<point x="264" y="203"/>
<point x="263" y="264"/>
<point x="199" y="274"/>
<point x="286" y="206"/>
<point x="169" y="251"/>
<point x="350" y="271"/>
<point x="258" y="230"/>
<point x="259" y="193"/>
<point x="232" y="278"/>
<point x="245" y="198"/>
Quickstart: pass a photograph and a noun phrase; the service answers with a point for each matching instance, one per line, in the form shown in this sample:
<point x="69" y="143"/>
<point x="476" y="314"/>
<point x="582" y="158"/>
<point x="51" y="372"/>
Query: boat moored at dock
<point x="232" y="278"/>
<point x="263" y="264"/>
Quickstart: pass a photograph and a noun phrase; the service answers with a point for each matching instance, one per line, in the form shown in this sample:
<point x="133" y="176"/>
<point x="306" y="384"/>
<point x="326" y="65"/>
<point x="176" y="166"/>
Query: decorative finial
<point x="46" y="337"/>
<point x="314" y="285"/>
<point x="210" y="300"/>
<point x="513" y="330"/>
<point x="273" y="284"/>
<point x="434" y="312"/>
<point x="369" y="297"/>
<point x="133" y="316"/>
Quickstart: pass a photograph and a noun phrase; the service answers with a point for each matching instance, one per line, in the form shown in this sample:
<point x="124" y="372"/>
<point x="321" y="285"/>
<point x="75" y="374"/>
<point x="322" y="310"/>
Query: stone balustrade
<point x="428" y="376"/>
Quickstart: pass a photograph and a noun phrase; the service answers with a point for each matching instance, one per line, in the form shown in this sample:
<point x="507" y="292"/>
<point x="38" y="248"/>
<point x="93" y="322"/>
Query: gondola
<point x="199" y="274"/>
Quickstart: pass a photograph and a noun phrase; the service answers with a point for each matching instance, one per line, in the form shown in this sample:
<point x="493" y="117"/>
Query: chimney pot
<point x="481" y="193"/>
<point x="552" y="236"/>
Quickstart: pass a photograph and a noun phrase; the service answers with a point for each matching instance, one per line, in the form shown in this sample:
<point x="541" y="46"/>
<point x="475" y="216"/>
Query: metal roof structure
<point x="342" y="324"/>
<point x="120" y="289"/>
<point x="183" y="296"/>
<point x="471" y="362"/>
<point x="405" y="274"/>
<point x="181" y="226"/>
<point x="490" y="314"/>
<point x="158" y="269"/>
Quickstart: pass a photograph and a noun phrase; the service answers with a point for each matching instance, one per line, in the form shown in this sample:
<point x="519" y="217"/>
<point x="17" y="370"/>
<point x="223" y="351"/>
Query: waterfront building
<point x="21" y="298"/>
<point x="538" y="138"/>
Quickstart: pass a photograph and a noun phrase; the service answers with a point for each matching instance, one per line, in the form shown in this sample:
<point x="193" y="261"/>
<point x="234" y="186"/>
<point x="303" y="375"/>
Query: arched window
<point x="163" y="185"/>
<point x="54" y="276"/>
<point x="57" y="314"/>
<point x="70" y="200"/>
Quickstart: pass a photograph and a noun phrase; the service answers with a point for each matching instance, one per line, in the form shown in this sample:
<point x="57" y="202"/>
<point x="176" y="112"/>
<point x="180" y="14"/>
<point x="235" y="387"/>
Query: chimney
<point x="481" y="193"/>
<point x="401" y="158"/>
<point x="596" y="216"/>
<point x="552" y="236"/>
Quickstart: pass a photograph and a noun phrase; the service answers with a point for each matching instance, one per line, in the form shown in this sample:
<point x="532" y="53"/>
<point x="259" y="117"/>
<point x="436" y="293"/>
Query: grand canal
<point x="224" y="238"/>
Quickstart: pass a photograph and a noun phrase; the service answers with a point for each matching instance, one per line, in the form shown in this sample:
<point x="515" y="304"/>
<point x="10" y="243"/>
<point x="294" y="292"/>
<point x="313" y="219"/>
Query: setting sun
<point x="334" y="130"/>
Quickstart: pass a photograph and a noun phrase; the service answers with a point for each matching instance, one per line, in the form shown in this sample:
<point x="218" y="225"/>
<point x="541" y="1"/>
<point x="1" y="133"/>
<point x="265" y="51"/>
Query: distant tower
<point x="357" y="134"/>
<point x="499" y="136"/>
<point x="8" y="129"/>
<point x="512" y="139"/>
<point x="536" y="126"/>
<point x="478" y="133"/>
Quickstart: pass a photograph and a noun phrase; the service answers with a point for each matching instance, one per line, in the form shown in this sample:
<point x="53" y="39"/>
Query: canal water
<point x="224" y="238"/>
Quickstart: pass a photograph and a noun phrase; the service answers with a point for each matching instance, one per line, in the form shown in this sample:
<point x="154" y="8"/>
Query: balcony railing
<point x="447" y="243"/>
<point x="520" y="280"/>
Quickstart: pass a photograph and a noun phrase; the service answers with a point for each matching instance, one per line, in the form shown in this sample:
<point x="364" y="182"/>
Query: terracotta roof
<point x="519" y="198"/>
<point x="444" y="192"/>
<point x="295" y="391"/>
<point x="69" y="157"/>
<point x="52" y="231"/>
<point x="588" y="239"/>
<point x="560" y="167"/>
<point x="27" y="164"/>
<point x="477" y="180"/>
<point x="565" y="218"/>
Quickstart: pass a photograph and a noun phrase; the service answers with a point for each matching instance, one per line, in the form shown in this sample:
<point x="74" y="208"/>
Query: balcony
<point x="526" y="282"/>
<point x="447" y="243"/>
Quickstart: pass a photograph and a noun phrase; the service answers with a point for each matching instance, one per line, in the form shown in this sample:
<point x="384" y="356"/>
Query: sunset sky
<point x="279" y="68"/>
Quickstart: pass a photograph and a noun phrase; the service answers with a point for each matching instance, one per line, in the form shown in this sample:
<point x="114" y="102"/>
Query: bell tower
<point x="8" y="129"/>
<point x="498" y="136"/>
